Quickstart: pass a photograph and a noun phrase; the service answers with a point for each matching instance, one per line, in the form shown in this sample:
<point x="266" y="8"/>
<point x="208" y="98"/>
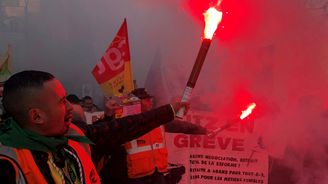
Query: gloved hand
<point x="178" y="105"/>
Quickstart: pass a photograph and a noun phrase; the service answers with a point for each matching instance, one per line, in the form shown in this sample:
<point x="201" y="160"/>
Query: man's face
<point x="78" y="113"/>
<point x="88" y="104"/>
<point x="56" y="110"/>
<point x="111" y="106"/>
<point x="146" y="104"/>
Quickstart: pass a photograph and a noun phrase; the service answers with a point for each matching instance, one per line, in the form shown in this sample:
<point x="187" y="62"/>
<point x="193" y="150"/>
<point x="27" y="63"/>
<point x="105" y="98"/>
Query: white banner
<point x="233" y="156"/>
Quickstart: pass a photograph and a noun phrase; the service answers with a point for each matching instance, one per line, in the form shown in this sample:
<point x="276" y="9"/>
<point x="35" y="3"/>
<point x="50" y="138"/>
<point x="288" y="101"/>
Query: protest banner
<point x="233" y="156"/>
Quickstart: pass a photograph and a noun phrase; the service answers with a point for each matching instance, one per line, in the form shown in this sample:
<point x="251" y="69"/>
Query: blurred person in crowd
<point x="112" y="104"/>
<point x="111" y="165"/>
<point x="88" y="105"/>
<point x="39" y="144"/>
<point x="77" y="111"/>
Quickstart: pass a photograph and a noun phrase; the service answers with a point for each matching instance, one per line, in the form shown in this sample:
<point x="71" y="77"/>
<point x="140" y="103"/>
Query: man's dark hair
<point x="87" y="98"/>
<point x="73" y="99"/>
<point x="17" y="88"/>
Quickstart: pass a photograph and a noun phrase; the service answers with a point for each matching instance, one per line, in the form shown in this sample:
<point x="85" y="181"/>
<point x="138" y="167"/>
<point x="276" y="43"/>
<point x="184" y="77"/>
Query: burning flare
<point x="248" y="111"/>
<point x="243" y="115"/>
<point x="212" y="19"/>
<point x="219" y="2"/>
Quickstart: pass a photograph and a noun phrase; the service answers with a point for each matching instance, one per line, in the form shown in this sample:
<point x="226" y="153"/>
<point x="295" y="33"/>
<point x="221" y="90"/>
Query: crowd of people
<point x="45" y="139"/>
<point x="125" y="164"/>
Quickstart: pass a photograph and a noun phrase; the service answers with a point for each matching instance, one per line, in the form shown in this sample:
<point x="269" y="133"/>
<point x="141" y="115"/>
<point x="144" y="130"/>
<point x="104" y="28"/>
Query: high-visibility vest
<point x="146" y="154"/>
<point x="27" y="170"/>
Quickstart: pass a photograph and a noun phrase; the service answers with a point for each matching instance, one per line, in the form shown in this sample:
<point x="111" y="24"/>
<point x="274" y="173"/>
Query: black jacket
<point x="114" y="164"/>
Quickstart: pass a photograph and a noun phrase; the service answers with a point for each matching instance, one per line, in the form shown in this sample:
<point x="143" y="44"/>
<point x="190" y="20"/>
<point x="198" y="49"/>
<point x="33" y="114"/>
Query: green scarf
<point x="11" y="134"/>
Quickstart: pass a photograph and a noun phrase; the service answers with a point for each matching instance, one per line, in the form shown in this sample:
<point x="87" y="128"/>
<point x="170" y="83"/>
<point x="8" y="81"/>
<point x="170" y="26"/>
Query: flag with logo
<point x="113" y="72"/>
<point x="5" y="65"/>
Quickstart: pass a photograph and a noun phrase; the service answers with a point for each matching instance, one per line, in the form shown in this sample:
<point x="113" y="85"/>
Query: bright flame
<point x="212" y="19"/>
<point x="219" y="2"/>
<point x="248" y="111"/>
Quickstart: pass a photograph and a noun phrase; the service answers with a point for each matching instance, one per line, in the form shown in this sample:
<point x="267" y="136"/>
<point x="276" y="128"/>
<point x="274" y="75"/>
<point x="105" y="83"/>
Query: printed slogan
<point x="233" y="156"/>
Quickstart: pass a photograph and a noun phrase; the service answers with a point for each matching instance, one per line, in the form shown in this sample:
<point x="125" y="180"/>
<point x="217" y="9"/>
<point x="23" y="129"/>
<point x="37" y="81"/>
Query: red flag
<point x="113" y="72"/>
<point x="5" y="65"/>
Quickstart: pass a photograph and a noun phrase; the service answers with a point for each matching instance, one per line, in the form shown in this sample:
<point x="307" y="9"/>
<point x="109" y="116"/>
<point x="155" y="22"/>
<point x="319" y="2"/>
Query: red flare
<point x="212" y="19"/>
<point x="248" y="111"/>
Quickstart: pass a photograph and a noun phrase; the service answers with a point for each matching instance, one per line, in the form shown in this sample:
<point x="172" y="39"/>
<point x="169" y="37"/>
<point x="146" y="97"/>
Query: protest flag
<point x="5" y="65"/>
<point x="113" y="72"/>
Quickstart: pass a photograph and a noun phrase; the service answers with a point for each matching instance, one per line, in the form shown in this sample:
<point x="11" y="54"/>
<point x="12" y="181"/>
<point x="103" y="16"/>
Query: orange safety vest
<point x="28" y="172"/>
<point x="146" y="154"/>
